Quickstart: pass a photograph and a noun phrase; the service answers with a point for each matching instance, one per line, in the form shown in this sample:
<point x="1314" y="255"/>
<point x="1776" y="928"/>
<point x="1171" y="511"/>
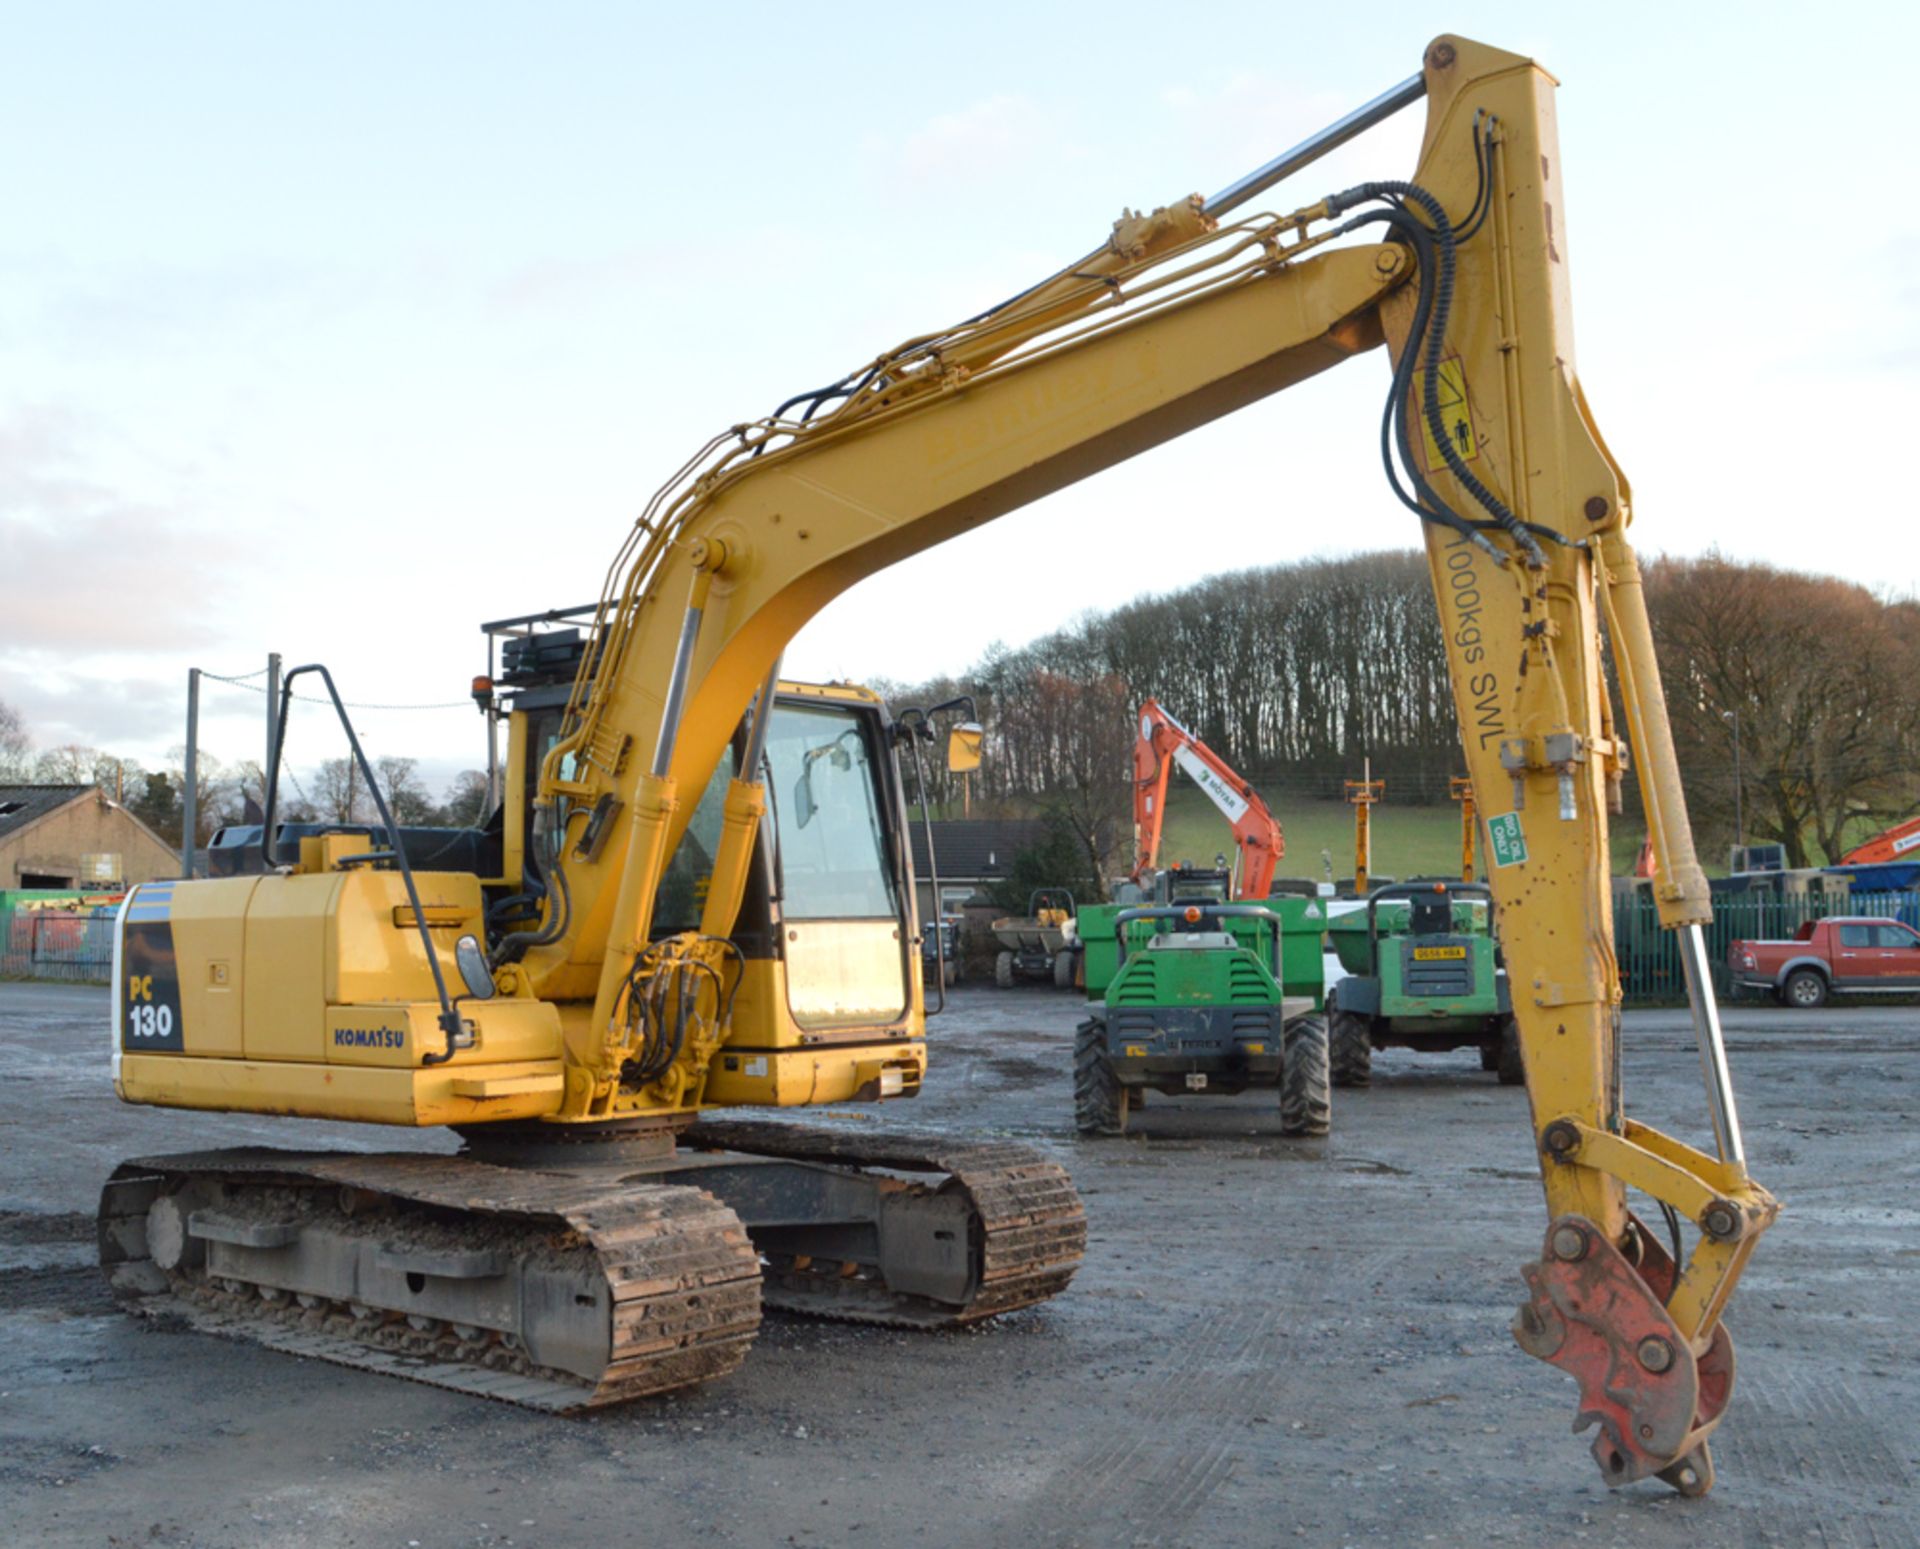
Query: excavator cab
<point x="829" y="1005"/>
<point x="1184" y="883"/>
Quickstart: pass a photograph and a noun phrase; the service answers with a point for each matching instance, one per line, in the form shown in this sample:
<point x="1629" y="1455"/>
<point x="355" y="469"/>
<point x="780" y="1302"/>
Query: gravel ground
<point x="1271" y="1341"/>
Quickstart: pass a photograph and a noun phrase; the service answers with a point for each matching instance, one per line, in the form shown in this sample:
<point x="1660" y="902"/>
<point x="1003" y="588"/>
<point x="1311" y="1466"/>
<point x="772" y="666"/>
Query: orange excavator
<point x="1164" y="742"/>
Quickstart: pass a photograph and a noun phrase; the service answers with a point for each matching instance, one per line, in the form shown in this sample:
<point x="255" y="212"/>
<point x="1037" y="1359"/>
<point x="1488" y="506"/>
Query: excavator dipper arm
<point x="1184" y="316"/>
<point x="1163" y="742"/>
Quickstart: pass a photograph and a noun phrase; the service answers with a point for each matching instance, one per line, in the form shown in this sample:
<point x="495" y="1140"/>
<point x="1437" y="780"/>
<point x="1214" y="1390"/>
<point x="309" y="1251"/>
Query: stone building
<point x="75" y="836"/>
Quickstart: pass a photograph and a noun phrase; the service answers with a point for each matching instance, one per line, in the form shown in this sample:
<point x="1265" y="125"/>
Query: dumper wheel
<point x="1350" y="1048"/>
<point x="1063" y="965"/>
<point x="1099" y="1101"/>
<point x="1512" y="1071"/>
<point x="1306" y="1095"/>
<point x="1490" y="1057"/>
<point x="1003" y="970"/>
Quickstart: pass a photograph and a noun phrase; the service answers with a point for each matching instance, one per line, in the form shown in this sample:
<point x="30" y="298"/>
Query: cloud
<point x="639" y="272"/>
<point x="114" y="311"/>
<point x="975" y="144"/>
<point x="127" y="715"/>
<point x="90" y="565"/>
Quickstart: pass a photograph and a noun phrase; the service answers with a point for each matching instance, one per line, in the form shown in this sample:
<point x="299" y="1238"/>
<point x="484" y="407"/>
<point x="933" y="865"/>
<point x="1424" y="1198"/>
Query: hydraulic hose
<point x="1441" y="243"/>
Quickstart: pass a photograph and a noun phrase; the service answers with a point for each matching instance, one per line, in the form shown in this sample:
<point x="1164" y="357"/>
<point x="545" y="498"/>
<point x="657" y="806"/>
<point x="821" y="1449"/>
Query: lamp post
<point x="1739" y="786"/>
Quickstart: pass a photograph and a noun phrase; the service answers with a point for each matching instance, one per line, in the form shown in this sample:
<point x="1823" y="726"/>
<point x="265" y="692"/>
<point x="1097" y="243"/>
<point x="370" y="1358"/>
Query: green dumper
<point x="1194" y="994"/>
<point x="1424" y="973"/>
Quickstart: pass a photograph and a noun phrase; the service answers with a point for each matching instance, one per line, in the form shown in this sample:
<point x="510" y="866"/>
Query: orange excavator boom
<point x="1163" y="742"/>
<point x="1900" y="842"/>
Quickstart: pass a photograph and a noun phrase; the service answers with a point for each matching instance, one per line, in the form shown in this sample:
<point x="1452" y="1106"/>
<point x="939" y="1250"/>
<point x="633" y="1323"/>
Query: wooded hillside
<point x="1298" y="673"/>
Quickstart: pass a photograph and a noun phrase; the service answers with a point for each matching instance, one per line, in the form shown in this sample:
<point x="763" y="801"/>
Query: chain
<point x="313" y="699"/>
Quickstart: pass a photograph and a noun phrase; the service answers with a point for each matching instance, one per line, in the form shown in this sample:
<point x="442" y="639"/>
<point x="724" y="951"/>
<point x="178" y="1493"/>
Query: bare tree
<point x="466" y="805"/>
<point x="1814" y="675"/>
<point x="215" y="791"/>
<point x="1294" y="673"/>
<point x="120" y="778"/>
<point x="337" y="792"/>
<point x="407" y="796"/>
<point x="16" y="747"/>
<point x="1086" y="727"/>
<point x="69" y="764"/>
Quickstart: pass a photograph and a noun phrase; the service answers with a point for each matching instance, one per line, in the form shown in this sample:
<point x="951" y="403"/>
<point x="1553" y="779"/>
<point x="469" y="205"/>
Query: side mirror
<point x="964" y="743"/>
<point x="471" y="959"/>
<point x="804" y="806"/>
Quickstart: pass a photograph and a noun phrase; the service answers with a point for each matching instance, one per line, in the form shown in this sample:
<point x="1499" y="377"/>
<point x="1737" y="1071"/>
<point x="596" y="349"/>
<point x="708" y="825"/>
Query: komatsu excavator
<point x="360" y="983"/>
<point x="1163" y="742"/>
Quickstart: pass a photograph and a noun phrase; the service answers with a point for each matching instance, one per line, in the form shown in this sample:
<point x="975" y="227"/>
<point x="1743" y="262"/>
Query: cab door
<point x="1856" y="954"/>
<point x="842" y="904"/>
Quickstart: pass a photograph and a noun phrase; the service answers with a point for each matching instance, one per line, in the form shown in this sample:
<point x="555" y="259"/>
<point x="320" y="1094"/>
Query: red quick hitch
<point x="1603" y="1319"/>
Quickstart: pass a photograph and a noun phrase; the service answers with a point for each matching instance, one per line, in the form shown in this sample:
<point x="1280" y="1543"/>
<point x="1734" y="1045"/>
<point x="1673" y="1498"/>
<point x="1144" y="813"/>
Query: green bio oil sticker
<point x="1505" y="839"/>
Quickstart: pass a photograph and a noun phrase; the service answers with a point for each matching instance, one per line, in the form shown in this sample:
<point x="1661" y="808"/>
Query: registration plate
<point x="1437" y="954"/>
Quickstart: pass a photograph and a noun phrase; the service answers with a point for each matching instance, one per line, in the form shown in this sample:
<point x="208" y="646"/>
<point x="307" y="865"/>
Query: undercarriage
<point x="568" y="1269"/>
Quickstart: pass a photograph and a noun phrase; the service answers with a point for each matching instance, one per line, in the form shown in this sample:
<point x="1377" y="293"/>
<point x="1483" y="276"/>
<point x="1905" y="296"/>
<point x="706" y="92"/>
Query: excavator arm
<point x="1184" y="316"/>
<point x="1164" y="742"/>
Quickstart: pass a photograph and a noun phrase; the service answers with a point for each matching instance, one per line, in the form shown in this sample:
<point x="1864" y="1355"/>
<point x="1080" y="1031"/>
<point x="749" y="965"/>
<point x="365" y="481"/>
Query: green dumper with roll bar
<point x="1424" y="973"/>
<point x="1192" y="993"/>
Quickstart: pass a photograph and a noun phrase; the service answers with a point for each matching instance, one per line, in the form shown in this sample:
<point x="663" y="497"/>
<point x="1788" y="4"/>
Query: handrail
<point x="1393" y="892"/>
<point x="449" y="1018"/>
<point x="1127" y="917"/>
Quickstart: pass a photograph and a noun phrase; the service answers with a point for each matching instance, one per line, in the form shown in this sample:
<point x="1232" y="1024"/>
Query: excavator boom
<point x="1164" y="742"/>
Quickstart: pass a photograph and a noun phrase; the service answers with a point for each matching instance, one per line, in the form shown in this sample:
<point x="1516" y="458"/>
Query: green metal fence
<point x="1650" y="971"/>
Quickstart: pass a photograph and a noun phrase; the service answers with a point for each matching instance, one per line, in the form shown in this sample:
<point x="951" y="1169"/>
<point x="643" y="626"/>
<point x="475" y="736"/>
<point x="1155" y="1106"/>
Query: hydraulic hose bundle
<point x="663" y="1018"/>
<point x="1435" y="241"/>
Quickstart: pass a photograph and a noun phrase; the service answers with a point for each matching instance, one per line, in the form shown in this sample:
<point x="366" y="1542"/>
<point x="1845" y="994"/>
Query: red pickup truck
<point x="1837" y="956"/>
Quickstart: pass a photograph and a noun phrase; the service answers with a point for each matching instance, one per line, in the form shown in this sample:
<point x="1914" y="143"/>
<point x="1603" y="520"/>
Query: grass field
<point x="1408" y="841"/>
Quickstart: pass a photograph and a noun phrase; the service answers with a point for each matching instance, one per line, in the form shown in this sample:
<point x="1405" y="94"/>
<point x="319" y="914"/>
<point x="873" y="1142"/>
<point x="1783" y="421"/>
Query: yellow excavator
<point x="576" y="1015"/>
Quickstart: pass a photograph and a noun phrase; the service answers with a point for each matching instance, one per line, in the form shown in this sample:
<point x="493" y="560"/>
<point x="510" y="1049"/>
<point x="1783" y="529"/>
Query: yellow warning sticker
<point x="1456" y="415"/>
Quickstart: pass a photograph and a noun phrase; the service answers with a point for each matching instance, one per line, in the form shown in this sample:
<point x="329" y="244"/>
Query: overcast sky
<point x="338" y="329"/>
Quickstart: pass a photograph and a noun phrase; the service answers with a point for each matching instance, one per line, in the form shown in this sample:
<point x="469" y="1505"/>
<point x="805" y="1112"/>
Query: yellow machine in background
<point x="596" y="1006"/>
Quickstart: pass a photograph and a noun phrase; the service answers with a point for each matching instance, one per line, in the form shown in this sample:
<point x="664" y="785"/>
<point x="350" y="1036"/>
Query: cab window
<point x="832" y="845"/>
<point x="683" y="885"/>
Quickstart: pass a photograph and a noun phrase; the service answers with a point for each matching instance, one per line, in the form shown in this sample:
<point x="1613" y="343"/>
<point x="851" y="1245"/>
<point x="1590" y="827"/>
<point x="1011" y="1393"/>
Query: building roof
<point x="975" y="849"/>
<point x="21" y="805"/>
<point x="31" y="803"/>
